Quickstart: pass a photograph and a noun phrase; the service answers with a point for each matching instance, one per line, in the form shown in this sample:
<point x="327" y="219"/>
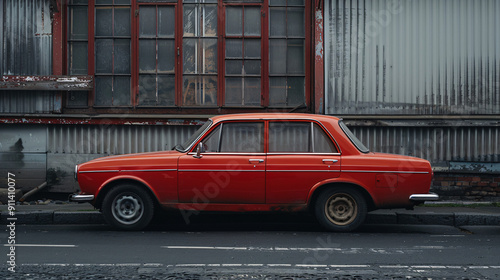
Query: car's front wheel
<point x="341" y="209"/>
<point x="128" y="207"/>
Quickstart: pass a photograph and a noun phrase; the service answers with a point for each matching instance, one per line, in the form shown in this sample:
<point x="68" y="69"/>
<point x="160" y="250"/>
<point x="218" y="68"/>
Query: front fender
<point x="102" y="188"/>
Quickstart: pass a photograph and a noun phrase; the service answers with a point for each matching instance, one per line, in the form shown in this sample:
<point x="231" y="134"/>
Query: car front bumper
<point x="424" y="197"/>
<point x="81" y="197"/>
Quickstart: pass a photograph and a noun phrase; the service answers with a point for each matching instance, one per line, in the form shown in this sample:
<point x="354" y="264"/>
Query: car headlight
<point x="76" y="172"/>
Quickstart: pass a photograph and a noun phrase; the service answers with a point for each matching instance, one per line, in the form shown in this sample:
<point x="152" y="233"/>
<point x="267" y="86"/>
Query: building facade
<point x="89" y="78"/>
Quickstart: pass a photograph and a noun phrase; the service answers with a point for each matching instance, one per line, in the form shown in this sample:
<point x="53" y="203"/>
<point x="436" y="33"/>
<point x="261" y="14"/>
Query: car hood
<point x="150" y="160"/>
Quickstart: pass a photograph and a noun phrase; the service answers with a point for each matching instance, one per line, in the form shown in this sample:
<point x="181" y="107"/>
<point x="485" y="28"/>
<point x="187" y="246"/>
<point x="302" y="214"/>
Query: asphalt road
<point x="240" y="247"/>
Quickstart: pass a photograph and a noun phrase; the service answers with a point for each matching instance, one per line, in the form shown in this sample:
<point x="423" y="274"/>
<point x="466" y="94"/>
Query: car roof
<point x="268" y="116"/>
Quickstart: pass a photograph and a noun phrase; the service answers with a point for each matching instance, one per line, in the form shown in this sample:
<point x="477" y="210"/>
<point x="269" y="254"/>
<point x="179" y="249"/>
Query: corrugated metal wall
<point x="412" y="57"/>
<point x="436" y="144"/>
<point x="26" y="49"/>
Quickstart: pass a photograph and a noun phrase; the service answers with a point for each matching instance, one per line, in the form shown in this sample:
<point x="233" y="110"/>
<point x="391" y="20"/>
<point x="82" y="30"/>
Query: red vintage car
<point x="257" y="162"/>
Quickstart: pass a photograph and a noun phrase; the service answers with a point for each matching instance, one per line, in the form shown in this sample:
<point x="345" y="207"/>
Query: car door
<point x="301" y="154"/>
<point x="231" y="168"/>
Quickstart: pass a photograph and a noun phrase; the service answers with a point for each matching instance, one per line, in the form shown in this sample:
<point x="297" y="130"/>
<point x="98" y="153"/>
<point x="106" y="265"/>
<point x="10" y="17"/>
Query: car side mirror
<point x="198" y="150"/>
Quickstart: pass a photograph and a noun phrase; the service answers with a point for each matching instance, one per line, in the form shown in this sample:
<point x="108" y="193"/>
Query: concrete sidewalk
<point x="432" y="214"/>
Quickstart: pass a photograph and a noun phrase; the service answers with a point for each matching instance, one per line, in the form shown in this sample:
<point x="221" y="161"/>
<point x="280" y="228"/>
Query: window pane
<point x="78" y="58"/>
<point x="252" y="21"/>
<point x="211" y="142"/>
<point x="242" y="138"/>
<point x="103" y="22"/>
<point x="296" y="2"/>
<point x="295" y="56"/>
<point x="322" y="143"/>
<point x="147" y="55"/>
<point x="100" y="2"/>
<point x="147" y="21"/>
<point x="147" y="90"/>
<point x="296" y="91"/>
<point x="190" y="19"/>
<point x="233" y="21"/>
<point x="198" y="90"/>
<point x="122" y="1"/>
<point x="295" y="22"/>
<point x="103" y="91"/>
<point x="166" y="21"/>
<point x="166" y="90"/>
<point x="79" y="23"/>
<point x="122" y="21"/>
<point x="189" y="55"/>
<point x="277" y="56"/>
<point x="234" y="91"/>
<point x="277" y="2"/>
<point x="104" y="55"/>
<point x="210" y="22"/>
<point x="166" y="56"/>
<point x="252" y="48"/>
<point x="277" y="91"/>
<point x="234" y="48"/>
<point x="122" y="56"/>
<point x="252" y="67"/>
<point x="210" y="56"/>
<point x="234" y="67"/>
<point x="252" y="91"/>
<point x="277" y="22"/>
<point x="289" y="137"/>
<point x="121" y="91"/>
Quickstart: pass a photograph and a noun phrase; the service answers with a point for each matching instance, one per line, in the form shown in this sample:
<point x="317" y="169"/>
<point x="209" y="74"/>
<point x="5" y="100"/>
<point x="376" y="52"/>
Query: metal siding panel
<point x="426" y="57"/>
<point x="438" y="145"/>
<point x="26" y="49"/>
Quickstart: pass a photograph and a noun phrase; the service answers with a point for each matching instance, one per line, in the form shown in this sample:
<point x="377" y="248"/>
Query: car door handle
<point x="256" y="160"/>
<point x="332" y="160"/>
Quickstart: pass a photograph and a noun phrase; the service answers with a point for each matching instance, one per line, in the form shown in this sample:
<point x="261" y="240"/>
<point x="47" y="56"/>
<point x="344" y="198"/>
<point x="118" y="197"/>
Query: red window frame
<point x="221" y="107"/>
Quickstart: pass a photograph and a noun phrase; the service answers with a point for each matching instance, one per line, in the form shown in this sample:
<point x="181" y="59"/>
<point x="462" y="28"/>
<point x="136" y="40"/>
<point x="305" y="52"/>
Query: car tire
<point x="128" y="207"/>
<point x="341" y="209"/>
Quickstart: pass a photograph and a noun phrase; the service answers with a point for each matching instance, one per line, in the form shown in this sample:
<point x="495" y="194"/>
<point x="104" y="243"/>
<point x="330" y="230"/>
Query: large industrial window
<point x="220" y="55"/>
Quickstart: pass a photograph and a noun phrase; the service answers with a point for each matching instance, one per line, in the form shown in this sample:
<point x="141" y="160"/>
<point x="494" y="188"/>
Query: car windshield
<point x="362" y="148"/>
<point x="184" y="147"/>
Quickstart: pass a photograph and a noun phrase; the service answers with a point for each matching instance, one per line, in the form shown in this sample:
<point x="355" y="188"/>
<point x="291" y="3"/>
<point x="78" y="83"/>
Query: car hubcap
<point x="341" y="209"/>
<point x="127" y="209"/>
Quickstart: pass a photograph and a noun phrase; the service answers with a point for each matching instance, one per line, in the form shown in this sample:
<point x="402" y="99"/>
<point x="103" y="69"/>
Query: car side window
<point x="321" y="141"/>
<point x="211" y="142"/>
<point x="242" y="137"/>
<point x="298" y="137"/>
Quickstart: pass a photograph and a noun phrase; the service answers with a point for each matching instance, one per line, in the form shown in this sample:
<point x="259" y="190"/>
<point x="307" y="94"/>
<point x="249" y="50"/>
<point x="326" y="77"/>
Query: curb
<point x="446" y="219"/>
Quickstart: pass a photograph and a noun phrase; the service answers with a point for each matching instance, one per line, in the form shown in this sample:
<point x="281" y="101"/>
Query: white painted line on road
<point x="448" y="235"/>
<point x="41" y="245"/>
<point x="479" y="267"/>
<point x="128" y="264"/>
<point x="454" y="267"/>
<point x="204" y="248"/>
<point x="495" y="267"/>
<point x="279" y="264"/>
<point x="252" y="248"/>
<point x="312" y="265"/>
<point x="189" y="265"/>
<point x="153" y="264"/>
<point x="429" y="247"/>
<point x="349" y="266"/>
<point x="393" y="266"/>
<point x="254" y="264"/>
<point x="232" y="264"/>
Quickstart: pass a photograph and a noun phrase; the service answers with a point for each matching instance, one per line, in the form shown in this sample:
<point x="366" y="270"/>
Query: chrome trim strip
<point x="303" y="170"/>
<point x="149" y="170"/>
<point x="329" y="159"/>
<point x="99" y="171"/>
<point x="81" y="197"/>
<point x="308" y="154"/>
<point x="214" y="170"/>
<point x="230" y="154"/>
<point x="424" y="197"/>
<point x="376" y="171"/>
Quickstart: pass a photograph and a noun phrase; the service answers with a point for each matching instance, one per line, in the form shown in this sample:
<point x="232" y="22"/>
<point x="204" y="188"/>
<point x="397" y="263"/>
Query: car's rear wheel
<point x="341" y="209"/>
<point x="128" y="207"/>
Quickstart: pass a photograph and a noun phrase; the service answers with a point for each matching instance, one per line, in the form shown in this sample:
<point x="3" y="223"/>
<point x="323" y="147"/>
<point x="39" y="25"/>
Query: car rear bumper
<point x="424" y="197"/>
<point x="81" y="197"/>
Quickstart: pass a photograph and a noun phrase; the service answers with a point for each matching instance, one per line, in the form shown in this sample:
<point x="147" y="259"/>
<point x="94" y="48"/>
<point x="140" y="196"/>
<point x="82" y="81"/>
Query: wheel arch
<point x="110" y="184"/>
<point x="331" y="185"/>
